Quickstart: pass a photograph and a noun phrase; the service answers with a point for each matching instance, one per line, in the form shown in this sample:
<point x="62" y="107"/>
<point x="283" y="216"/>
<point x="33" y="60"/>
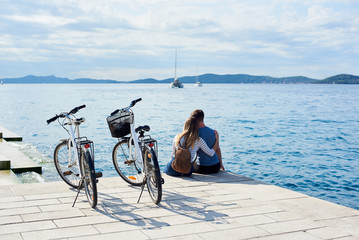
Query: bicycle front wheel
<point x="89" y="177"/>
<point x="66" y="164"/>
<point x="153" y="180"/>
<point x="126" y="162"/>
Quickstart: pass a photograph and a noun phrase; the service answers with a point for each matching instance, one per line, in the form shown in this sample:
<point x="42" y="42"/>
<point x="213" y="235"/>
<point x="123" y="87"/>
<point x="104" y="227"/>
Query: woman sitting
<point x="189" y="139"/>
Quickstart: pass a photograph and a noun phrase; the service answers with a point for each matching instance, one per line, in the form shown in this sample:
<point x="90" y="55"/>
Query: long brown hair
<point x="190" y="133"/>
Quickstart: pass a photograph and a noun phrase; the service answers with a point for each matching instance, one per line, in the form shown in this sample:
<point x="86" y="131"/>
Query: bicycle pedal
<point x="67" y="173"/>
<point x="98" y="174"/>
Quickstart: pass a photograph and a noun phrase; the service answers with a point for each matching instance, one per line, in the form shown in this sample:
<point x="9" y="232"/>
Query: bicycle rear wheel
<point x="88" y="173"/>
<point x="127" y="163"/>
<point x="66" y="164"/>
<point x="153" y="180"/>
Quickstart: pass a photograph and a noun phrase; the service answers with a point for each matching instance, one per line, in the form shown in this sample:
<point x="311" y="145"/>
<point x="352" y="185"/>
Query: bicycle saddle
<point x="145" y="128"/>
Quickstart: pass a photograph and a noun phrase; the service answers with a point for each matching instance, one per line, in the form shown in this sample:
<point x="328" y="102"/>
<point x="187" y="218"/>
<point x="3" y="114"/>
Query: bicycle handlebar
<point x="114" y="112"/>
<point x="52" y="119"/>
<point x="76" y="109"/>
<point x="73" y="111"/>
<point x="133" y="103"/>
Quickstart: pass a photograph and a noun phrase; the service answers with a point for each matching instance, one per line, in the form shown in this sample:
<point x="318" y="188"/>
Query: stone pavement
<point x="221" y="206"/>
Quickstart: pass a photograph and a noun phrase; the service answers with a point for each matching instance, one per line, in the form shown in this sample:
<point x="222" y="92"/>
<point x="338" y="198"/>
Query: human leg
<point x="170" y="171"/>
<point x="209" y="169"/>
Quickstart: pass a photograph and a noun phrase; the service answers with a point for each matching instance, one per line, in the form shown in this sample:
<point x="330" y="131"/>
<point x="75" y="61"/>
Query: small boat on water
<point x="176" y="83"/>
<point x="198" y="83"/>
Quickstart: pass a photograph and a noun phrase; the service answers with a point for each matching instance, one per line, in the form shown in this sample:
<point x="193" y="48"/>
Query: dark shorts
<point x="209" y="169"/>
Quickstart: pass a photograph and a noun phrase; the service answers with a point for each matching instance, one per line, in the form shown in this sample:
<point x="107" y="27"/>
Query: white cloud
<point x="52" y="21"/>
<point x="218" y="35"/>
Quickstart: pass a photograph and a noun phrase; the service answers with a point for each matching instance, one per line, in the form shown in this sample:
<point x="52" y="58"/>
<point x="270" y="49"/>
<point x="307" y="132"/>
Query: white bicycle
<point x="135" y="157"/>
<point x="76" y="165"/>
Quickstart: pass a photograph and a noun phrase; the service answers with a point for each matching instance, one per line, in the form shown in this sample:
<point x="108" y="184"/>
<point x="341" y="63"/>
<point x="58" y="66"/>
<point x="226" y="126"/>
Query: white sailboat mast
<point x="176" y="65"/>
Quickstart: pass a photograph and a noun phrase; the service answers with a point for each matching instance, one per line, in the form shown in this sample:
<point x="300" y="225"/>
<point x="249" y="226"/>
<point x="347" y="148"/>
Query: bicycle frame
<point x="137" y="160"/>
<point x="134" y="139"/>
<point x="73" y="137"/>
<point x="83" y="149"/>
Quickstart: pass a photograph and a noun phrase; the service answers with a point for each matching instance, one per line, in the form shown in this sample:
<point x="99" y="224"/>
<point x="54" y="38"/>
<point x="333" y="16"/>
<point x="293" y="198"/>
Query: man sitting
<point x="207" y="164"/>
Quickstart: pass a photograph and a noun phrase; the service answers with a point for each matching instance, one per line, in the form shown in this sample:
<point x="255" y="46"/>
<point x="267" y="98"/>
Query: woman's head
<point x="190" y="132"/>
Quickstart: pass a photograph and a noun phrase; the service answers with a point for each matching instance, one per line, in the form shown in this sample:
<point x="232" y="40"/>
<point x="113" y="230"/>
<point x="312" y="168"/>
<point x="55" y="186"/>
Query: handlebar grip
<point x="135" y="101"/>
<point x="52" y="119"/>
<point x="114" y="112"/>
<point x="76" y="109"/>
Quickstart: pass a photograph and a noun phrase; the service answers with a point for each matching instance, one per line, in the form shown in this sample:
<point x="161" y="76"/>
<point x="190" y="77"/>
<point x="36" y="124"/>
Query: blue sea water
<point x="300" y="137"/>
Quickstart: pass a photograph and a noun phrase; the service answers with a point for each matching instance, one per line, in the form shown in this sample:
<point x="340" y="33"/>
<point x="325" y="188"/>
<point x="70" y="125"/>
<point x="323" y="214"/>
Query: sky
<point x="136" y="39"/>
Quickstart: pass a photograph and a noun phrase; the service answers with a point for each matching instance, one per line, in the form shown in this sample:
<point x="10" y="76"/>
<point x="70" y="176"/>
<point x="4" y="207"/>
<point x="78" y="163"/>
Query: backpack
<point x="182" y="162"/>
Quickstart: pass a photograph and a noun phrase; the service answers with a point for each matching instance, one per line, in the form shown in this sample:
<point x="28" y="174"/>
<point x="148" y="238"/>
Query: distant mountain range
<point x="205" y="78"/>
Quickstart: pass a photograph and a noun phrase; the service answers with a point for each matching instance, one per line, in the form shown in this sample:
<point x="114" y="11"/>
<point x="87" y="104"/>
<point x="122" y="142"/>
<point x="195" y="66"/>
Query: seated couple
<point x="203" y="144"/>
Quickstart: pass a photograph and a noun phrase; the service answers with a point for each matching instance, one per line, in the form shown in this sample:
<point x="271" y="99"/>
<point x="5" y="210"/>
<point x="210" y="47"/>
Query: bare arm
<point x="218" y="150"/>
<point x="203" y="145"/>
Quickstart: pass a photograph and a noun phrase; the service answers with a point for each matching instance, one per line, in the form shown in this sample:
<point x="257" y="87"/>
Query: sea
<point x="302" y="137"/>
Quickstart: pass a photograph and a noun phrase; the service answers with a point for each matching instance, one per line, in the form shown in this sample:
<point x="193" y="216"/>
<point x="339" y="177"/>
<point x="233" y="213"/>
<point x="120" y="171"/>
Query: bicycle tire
<point x="68" y="170"/>
<point x="89" y="175"/>
<point x="128" y="167"/>
<point x="153" y="179"/>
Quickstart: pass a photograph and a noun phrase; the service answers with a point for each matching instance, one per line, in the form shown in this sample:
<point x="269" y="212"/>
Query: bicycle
<point x="75" y="165"/>
<point x="135" y="157"/>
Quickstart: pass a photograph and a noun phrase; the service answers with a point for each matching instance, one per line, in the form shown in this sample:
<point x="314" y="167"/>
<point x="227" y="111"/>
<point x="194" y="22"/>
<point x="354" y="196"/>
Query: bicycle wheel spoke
<point x="66" y="166"/>
<point x="125" y="162"/>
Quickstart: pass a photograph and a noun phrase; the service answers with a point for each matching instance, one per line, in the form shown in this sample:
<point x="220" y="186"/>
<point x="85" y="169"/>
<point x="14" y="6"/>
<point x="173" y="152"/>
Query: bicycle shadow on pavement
<point x="193" y="208"/>
<point x="129" y="213"/>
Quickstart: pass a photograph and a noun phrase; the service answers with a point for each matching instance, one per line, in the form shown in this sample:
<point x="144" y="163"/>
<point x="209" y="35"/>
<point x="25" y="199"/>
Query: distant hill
<point x="241" y="78"/>
<point x="340" y="79"/>
<point x="30" y="79"/>
<point x="205" y="78"/>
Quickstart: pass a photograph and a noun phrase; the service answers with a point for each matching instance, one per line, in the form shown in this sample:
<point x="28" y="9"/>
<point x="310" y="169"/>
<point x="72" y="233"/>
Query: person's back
<point x="209" y="137"/>
<point x="207" y="164"/>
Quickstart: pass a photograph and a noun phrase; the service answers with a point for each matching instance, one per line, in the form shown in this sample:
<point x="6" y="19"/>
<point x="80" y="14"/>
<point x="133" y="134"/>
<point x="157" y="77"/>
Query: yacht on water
<point x="176" y="83"/>
<point x="198" y="83"/>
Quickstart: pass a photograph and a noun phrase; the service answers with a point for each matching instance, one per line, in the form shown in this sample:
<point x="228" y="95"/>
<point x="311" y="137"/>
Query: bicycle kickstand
<point x="78" y="191"/>
<point x="142" y="188"/>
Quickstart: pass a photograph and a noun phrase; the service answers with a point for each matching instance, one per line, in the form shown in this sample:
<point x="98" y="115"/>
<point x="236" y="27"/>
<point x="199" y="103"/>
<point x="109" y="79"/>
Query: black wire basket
<point x="119" y="124"/>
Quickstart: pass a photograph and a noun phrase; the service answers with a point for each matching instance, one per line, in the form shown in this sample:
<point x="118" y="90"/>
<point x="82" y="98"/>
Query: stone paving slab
<point x="220" y="206"/>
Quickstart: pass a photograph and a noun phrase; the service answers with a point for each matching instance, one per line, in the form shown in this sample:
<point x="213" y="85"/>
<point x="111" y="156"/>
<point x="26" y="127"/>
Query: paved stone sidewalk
<point x="221" y="206"/>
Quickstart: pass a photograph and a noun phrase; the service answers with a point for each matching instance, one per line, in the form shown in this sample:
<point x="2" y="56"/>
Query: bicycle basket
<point x="119" y="124"/>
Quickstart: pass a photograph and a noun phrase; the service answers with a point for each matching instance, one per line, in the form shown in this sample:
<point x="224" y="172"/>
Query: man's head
<point x="198" y="114"/>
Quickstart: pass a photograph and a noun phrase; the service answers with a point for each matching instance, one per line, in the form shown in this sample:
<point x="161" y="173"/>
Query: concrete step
<point x="9" y="135"/>
<point x="4" y="162"/>
<point x="18" y="161"/>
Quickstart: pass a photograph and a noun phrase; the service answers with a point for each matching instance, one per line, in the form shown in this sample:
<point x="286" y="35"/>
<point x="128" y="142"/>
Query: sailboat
<point x="198" y="83"/>
<point x="176" y="83"/>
